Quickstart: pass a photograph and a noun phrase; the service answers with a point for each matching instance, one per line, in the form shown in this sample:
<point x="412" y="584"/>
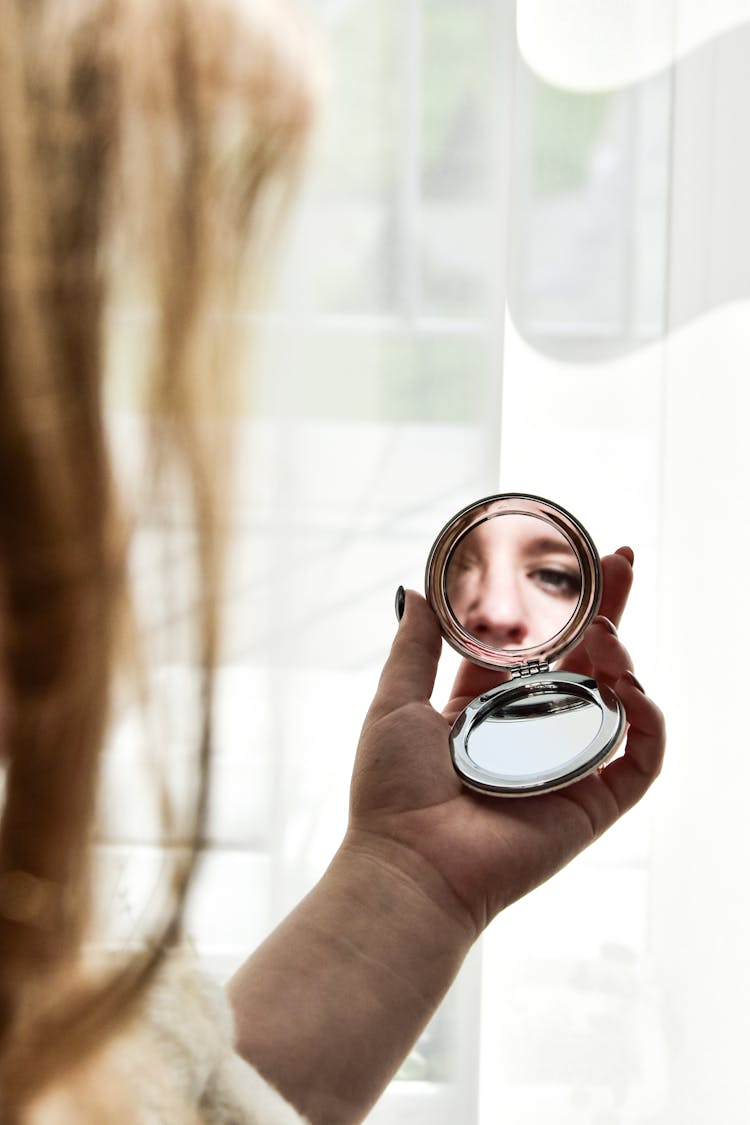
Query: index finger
<point x="617" y="579"/>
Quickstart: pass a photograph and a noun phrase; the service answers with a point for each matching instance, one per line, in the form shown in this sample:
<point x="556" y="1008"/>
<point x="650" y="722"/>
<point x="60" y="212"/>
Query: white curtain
<point x="521" y="261"/>
<point x="619" y="993"/>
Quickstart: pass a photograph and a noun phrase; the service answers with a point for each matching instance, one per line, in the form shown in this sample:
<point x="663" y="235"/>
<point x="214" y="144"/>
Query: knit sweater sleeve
<point x="188" y="1025"/>
<point x="173" y="1064"/>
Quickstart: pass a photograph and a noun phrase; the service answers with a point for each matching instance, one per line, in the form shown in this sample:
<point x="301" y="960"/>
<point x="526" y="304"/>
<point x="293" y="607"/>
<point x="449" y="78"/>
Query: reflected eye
<point x="464" y="560"/>
<point x="560" y="582"/>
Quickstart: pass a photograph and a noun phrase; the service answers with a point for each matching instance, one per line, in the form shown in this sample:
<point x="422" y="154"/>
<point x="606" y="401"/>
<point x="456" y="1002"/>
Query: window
<point x="378" y="414"/>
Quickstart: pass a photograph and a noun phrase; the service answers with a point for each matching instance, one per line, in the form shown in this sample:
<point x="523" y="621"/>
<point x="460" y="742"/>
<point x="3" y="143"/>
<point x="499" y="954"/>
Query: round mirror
<point x="514" y="580"/>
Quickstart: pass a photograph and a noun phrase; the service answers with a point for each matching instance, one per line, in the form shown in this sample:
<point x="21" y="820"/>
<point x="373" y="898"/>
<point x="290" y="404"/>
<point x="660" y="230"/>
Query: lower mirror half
<point x="530" y="736"/>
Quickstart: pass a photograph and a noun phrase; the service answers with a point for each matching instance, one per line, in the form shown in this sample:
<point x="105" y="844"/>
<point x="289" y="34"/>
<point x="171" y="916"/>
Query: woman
<point x="149" y="147"/>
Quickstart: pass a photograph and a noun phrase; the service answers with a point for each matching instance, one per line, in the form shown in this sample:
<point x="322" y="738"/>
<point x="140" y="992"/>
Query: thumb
<point x="411" y="667"/>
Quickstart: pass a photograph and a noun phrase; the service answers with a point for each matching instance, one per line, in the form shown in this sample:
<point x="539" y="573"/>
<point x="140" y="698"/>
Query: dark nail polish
<point x="605" y="621"/>
<point x="400" y="603"/>
<point x="627" y="553"/>
<point x="636" y="683"/>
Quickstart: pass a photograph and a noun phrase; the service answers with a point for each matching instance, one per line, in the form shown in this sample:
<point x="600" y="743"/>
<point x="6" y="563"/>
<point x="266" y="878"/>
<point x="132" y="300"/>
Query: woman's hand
<point x="472" y="854"/>
<point x="332" y="1001"/>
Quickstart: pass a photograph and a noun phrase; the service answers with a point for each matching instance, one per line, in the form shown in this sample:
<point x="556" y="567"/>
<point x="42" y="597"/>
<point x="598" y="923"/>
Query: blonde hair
<point x="147" y="139"/>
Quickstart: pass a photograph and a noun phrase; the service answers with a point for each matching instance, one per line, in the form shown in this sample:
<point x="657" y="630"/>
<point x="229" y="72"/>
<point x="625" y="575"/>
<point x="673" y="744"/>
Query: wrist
<point x="394" y="881"/>
<point x="332" y="1002"/>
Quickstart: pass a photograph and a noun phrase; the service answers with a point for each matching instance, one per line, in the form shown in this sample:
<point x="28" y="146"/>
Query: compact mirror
<point x="514" y="581"/>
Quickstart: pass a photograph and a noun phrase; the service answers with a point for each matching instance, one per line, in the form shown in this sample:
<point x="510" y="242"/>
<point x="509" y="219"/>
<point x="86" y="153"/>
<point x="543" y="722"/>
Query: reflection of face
<point x="513" y="582"/>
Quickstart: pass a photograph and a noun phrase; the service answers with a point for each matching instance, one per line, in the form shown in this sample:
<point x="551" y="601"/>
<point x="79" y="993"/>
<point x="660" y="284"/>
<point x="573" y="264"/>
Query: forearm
<point x="330" y="1004"/>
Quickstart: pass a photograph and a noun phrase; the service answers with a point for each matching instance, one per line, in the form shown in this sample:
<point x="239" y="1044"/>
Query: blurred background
<point x="521" y="261"/>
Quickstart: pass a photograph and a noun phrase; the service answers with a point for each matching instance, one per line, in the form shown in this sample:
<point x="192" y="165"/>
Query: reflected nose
<point x="497" y="616"/>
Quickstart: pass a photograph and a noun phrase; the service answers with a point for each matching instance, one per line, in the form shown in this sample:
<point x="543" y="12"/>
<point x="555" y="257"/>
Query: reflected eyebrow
<point x="549" y="546"/>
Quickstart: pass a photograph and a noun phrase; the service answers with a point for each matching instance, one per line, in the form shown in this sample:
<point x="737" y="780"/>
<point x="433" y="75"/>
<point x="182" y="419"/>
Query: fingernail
<point x="400" y="603"/>
<point x="626" y="552"/>
<point x="636" y="683"/>
<point x="605" y="621"/>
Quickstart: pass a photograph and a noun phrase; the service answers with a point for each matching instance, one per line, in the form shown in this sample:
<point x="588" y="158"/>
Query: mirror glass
<point x="529" y="738"/>
<point x="513" y="581"/>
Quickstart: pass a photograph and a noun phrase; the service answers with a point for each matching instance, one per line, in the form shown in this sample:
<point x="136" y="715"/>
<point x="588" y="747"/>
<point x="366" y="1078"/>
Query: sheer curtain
<point x="520" y="262"/>
<point x="619" y="992"/>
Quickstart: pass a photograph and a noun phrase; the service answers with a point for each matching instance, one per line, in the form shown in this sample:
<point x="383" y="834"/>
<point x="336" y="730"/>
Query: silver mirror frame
<point x="512" y="503"/>
<point x="591" y="757"/>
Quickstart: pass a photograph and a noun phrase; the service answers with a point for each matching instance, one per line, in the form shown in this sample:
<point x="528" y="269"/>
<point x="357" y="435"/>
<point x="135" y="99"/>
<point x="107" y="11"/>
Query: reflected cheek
<point x="547" y="613"/>
<point x="462" y="593"/>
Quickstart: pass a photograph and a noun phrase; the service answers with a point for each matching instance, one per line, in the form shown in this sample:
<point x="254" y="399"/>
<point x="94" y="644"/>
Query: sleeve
<point x="237" y="1093"/>
<point x="188" y="1033"/>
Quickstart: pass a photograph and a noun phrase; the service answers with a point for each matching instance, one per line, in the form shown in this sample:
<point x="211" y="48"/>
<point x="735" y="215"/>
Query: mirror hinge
<point x="530" y="669"/>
